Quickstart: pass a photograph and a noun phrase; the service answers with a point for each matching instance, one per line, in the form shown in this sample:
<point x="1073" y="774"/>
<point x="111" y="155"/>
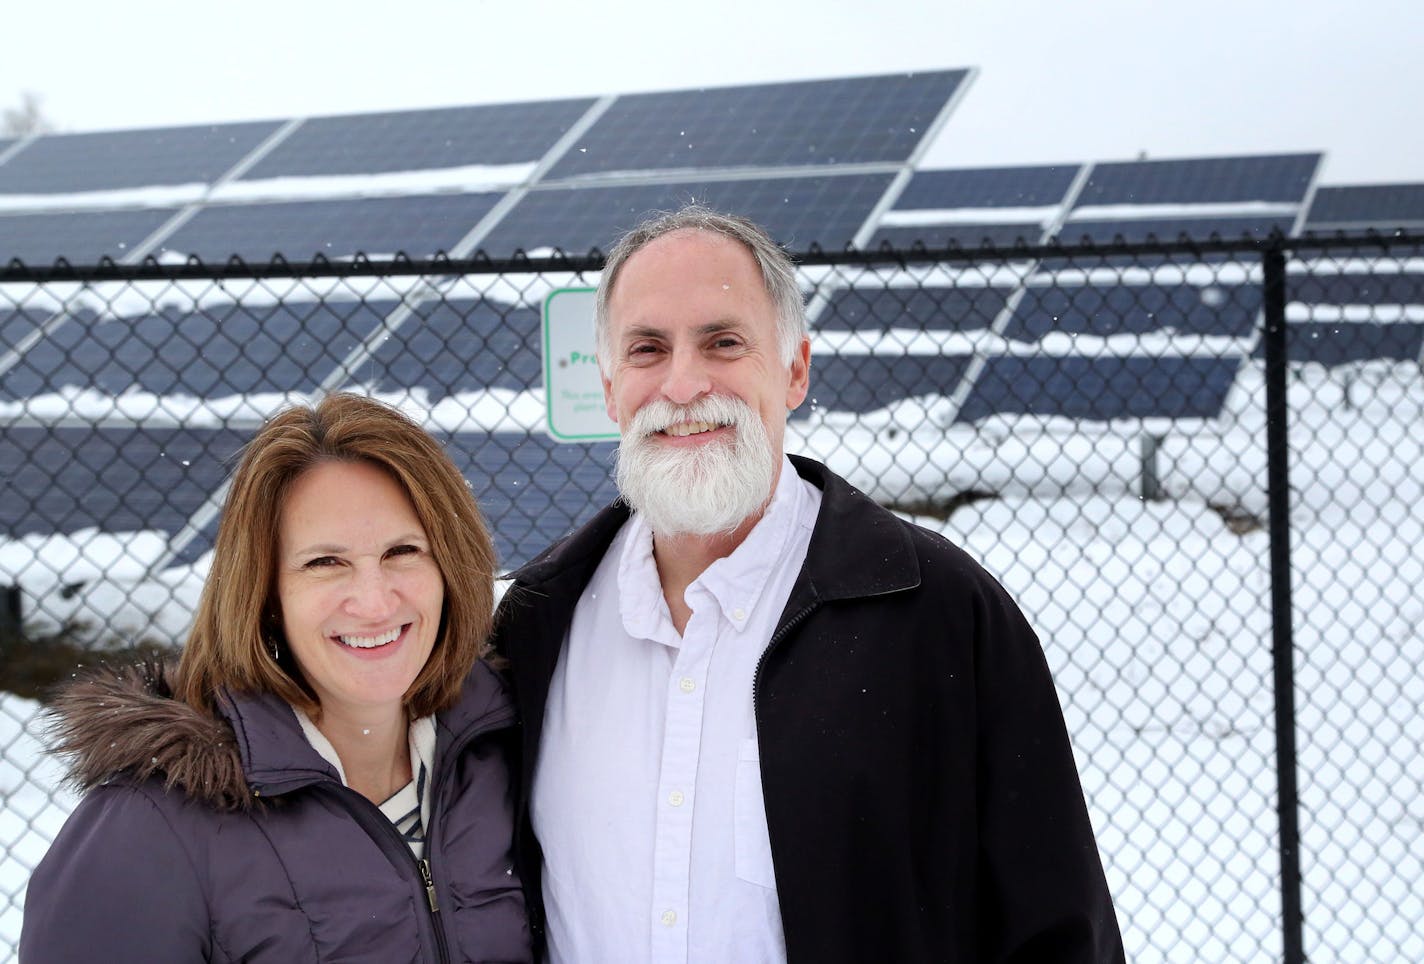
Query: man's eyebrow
<point x="633" y="332"/>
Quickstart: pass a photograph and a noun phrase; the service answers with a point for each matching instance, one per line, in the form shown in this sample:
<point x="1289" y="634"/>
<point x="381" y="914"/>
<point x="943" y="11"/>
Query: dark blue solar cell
<point x="1382" y="205"/>
<point x="863" y="383"/>
<point x="796" y="211"/>
<point x="842" y="121"/>
<point x="532" y="490"/>
<point x="57" y="480"/>
<point x="82" y="237"/>
<point x="220" y="350"/>
<point x="421" y="139"/>
<point x="1341" y="343"/>
<point x="1282" y="178"/>
<point x="1227" y="310"/>
<point x="19" y="324"/>
<point x="459" y="346"/>
<point x="958" y="235"/>
<point x="1355" y="288"/>
<point x="111" y="160"/>
<point x="298" y="230"/>
<point x="933" y="309"/>
<point x="1100" y="389"/>
<point x="988" y="187"/>
<point x="1171" y="229"/>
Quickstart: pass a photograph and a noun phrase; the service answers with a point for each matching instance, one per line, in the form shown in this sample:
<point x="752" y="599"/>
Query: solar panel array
<point x="829" y="162"/>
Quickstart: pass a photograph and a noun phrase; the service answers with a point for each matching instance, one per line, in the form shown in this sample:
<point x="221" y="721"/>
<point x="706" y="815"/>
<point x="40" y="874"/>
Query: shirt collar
<point x="735" y="582"/>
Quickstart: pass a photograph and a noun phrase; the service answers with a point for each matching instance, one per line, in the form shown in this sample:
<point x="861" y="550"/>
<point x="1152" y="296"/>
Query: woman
<point x="325" y="779"/>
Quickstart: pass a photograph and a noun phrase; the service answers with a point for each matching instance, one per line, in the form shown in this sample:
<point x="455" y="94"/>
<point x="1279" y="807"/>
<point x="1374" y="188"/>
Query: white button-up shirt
<point x="647" y="796"/>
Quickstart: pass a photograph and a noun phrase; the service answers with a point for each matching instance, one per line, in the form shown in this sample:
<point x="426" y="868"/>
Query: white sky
<point x="1059" y="82"/>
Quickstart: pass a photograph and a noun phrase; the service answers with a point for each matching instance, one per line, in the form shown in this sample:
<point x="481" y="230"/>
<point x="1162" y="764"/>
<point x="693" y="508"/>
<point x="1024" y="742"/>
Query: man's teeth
<point x="690" y="428"/>
<point x="371" y="642"/>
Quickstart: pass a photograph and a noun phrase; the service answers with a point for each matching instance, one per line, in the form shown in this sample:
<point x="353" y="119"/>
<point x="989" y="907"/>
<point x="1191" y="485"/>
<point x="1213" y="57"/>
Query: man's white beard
<point x="704" y="490"/>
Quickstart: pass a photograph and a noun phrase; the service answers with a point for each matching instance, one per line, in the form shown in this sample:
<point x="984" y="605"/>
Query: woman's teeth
<point x="371" y="642"/>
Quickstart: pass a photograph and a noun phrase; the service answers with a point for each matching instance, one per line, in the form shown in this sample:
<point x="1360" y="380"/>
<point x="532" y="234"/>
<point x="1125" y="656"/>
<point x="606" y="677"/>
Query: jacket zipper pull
<point x="429" y="884"/>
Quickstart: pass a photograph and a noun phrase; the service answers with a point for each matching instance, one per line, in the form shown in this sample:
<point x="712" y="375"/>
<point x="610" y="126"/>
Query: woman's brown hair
<point x="238" y="617"/>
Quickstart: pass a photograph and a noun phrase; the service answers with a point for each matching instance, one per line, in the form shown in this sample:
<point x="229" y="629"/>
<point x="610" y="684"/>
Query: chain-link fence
<point x="1110" y="430"/>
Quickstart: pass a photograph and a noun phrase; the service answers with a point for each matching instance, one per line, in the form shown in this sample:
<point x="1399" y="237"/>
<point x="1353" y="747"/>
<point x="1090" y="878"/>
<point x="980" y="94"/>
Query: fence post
<point x="1282" y="638"/>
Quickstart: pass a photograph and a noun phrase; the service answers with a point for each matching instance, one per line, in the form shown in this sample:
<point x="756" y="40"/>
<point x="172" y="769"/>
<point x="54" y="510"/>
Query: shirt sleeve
<point x="117" y="885"/>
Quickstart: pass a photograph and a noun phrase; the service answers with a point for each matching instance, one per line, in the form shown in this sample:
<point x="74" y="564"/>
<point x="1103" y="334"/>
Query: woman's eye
<point x="320" y="562"/>
<point x="402" y="550"/>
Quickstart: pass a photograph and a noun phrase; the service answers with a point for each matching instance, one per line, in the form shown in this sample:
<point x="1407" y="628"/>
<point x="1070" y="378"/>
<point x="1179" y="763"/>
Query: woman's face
<point x="361" y="594"/>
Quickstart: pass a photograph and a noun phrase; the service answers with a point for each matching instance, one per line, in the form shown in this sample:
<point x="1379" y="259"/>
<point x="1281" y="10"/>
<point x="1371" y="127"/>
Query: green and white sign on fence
<point x="573" y="392"/>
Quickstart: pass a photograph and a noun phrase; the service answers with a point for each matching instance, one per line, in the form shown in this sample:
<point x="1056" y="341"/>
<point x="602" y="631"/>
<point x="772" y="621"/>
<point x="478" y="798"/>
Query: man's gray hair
<point x="778" y="274"/>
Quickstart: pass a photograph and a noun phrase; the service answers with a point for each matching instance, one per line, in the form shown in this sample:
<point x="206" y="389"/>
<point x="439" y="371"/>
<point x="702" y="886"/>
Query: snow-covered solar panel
<point x="460" y="345"/>
<point x="1101" y="388"/>
<point x="1383" y="206"/>
<point x="959" y="235"/>
<point x="420" y="139"/>
<point x="81" y="236"/>
<point x="796" y="211"/>
<point x="821" y="122"/>
<point x="113" y="160"/>
<point x="218" y="351"/>
<point x="1342" y="343"/>
<point x="538" y="489"/>
<point x="863" y="383"/>
<point x="1229" y="228"/>
<point x="1103" y="311"/>
<point x="1280" y="178"/>
<point x="116" y="479"/>
<point x="987" y="187"/>
<point x="419" y="225"/>
<point x="969" y="308"/>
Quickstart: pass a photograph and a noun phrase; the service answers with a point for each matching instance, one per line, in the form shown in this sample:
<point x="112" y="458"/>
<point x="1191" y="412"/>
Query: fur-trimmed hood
<point x="122" y="721"/>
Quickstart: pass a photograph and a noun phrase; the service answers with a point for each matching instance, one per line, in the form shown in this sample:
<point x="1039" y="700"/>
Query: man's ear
<point x="608" y="404"/>
<point x="800" y="382"/>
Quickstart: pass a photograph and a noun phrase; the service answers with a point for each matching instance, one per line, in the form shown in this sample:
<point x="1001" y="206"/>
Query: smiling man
<point x="764" y="718"/>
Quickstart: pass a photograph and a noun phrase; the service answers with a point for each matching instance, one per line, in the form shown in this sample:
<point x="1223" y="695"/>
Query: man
<point x="764" y="718"/>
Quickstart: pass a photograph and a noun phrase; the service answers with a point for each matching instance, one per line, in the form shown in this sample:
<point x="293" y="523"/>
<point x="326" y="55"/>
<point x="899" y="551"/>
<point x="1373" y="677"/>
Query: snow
<point x="1154" y="617"/>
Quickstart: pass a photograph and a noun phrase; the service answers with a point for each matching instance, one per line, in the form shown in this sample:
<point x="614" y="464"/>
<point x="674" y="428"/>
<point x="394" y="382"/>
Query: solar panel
<point x="863" y="383"/>
<point x="988" y="187"/>
<point x="1385" y="205"/>
<point x="1100" y="389"/>
<point x="822" y="122"/>
<point x="930" y="309"/>
<point x="419" y="226"/>
<point x="82" y="237"/>
<point x="1225" y="310"/>
<point x="796" y="211"/>
<point x="1170" y="229"/>
<point x="18" y="324"/>
<point x="459" y="346"/>
<point x="1348" y="288"/>
<point x="958" y="235"/>
<point x="1281" y="178"/>
<point x="1343" y="343"/>
<point x="538" y="488"/>
<point x="219" y="351"/>
<point x="111" y="160"/>
<point x="118" y="479"/>
<point x="421" y="139"/>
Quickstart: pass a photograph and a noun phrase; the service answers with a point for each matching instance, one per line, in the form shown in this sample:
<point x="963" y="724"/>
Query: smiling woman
<point x="325" y="775"/>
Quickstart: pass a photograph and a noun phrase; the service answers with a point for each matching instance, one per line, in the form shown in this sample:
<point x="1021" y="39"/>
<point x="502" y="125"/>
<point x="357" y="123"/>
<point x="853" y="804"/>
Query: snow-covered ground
<point x="1155" y="619"/>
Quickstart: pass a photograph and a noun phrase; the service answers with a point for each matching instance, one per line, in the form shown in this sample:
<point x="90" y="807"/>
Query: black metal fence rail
<point x="1197" y="463"/>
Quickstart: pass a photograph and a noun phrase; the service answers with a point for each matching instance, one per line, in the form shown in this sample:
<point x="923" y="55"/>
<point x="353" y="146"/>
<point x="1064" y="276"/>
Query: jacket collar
<point x="858" y="548"/>
<point x="276" y="756"/>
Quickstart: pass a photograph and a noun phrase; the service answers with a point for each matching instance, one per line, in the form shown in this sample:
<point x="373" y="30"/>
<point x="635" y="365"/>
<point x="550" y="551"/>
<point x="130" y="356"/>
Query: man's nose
<point x="687" y="378"/>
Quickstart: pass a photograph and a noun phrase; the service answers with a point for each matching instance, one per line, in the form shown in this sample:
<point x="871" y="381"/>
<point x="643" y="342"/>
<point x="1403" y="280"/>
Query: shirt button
<point x="686" y="684"/>
<point x="668" y="918"/>
<point x="739" y="614"/>
<point x="676" y="798"/>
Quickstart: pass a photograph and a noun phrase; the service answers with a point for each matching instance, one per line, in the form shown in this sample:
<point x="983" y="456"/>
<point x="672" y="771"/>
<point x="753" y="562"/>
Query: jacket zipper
<point x="776" y="637"/>
<point x="363" y="809"/>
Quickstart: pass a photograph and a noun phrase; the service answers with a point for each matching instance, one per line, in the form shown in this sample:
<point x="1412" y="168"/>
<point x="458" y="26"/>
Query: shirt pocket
<point x="752" y="843"/>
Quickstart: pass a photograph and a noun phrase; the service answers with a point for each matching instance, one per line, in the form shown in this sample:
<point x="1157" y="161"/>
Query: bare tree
<point x="28" y="118"/>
